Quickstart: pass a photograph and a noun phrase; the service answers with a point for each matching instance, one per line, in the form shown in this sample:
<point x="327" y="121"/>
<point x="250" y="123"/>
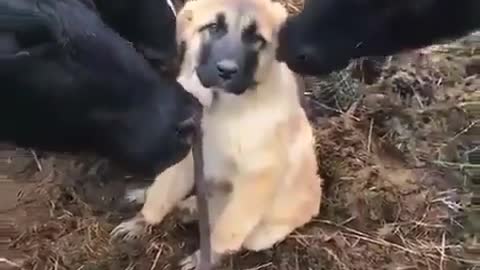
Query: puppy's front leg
<point x="169" y="188"/>
<point x="251" y="196"/>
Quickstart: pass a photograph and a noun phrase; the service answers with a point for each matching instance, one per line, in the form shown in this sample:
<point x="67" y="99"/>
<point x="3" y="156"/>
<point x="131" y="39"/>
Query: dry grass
<point x="387" y="205"/>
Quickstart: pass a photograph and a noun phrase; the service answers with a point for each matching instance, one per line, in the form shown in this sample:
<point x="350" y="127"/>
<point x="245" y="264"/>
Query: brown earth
<point x="390" y="137"/>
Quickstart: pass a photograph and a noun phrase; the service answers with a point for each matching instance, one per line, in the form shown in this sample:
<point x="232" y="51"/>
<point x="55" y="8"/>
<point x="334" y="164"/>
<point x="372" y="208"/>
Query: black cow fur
<point x="70" y="83"/>
<point x="149" y="25"/>
<point x="329" y="33"/>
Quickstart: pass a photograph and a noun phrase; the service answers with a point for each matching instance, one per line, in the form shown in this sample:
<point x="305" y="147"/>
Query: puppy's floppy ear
<point x="279" y="12"/>
<point x="184" y="18"/>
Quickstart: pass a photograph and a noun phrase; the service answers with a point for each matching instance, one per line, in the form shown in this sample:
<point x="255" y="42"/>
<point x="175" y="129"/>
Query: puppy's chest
<point x="231" y="138"/>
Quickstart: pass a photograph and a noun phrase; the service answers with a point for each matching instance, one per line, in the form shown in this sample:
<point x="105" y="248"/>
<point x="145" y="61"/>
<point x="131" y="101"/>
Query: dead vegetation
<point x="391" y="133"/>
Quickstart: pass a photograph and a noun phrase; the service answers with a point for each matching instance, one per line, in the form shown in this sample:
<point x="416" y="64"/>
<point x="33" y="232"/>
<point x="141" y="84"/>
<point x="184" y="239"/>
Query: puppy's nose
<point x="226" y="69"/>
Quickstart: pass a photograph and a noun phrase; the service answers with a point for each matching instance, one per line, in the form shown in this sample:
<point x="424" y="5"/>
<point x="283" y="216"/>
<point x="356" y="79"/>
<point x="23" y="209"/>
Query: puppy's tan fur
<point x="258" y="147"/>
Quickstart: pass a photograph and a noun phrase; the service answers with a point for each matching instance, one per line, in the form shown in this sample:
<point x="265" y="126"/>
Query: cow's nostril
<point x="186" y="127"/>
<point x="301" y="57"/>
<point x="305" y="54"/>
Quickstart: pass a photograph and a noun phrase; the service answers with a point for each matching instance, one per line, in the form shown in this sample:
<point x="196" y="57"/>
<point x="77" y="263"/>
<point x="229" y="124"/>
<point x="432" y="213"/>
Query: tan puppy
<point x="258" y="144"/>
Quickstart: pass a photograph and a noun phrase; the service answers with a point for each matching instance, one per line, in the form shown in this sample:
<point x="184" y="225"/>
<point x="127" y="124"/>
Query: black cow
<point x="70" y="83"/>
<point x="149" y="25"/>
<point x="329" y="33"/>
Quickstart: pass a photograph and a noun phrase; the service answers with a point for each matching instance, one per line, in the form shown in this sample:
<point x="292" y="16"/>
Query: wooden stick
<point x="202" y="205"/>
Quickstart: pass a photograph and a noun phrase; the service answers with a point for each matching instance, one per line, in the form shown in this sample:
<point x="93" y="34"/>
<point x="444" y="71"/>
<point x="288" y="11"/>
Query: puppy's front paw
<point x="188" y="211"/>
<point x="224" y="240"/>
<point x="130" y="230"/>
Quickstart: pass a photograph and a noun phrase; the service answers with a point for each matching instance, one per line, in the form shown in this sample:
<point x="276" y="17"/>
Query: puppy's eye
<point x="258" y="42"/>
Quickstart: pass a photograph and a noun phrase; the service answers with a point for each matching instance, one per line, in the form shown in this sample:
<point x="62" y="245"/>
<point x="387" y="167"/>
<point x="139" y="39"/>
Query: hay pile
<point x="388" y="131"/>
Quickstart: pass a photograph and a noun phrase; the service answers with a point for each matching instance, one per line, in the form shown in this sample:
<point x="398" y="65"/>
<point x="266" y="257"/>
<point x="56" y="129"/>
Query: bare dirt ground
<point x="390" y="137"/>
